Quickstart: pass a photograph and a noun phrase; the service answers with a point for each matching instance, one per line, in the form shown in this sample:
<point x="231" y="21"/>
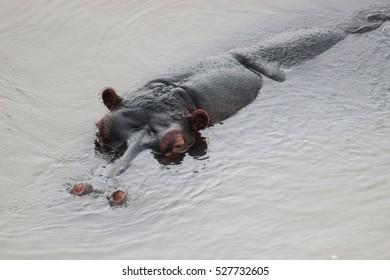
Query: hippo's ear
<point x="110" y="98"/>
<point x="199" y="119"/>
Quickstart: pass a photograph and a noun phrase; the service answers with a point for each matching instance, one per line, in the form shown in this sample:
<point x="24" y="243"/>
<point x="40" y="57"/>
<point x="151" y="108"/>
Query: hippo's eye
<point x="152" y="130"/>
<point x="174" y="142"/>
<point x="137" y="127"/>
<point x="179" y="146"/>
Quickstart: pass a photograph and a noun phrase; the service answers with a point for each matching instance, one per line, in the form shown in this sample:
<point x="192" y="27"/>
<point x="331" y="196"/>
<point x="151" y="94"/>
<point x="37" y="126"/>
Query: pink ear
<point x="199" y="119"/>
<point x="110" y="98"/>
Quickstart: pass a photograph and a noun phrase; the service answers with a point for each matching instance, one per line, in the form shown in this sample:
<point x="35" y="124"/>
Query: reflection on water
<point x="198" y="151"/>
<point x="300" y="173"/>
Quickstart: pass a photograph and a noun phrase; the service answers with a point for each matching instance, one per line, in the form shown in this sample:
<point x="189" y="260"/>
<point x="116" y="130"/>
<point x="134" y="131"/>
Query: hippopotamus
<point x="166" y="113"/>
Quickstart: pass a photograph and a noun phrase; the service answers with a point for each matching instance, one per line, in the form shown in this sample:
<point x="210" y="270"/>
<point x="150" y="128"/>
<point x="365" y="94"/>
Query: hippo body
<point x="166" y="113"/>
<point x="219" y="85"/>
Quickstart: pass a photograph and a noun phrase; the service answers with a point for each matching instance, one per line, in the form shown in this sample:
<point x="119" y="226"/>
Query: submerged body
<point x="166" y="113"/>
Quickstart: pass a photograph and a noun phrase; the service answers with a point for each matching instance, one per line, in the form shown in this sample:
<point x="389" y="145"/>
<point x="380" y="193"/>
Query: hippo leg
<point x="269" y="70"/>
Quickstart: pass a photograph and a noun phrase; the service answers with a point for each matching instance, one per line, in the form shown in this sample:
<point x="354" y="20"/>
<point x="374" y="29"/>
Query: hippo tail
<point x="367" y="19"/>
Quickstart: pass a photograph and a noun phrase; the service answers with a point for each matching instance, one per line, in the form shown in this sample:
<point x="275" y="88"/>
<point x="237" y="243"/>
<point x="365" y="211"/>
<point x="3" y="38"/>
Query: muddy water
<point x="302" y="173"/>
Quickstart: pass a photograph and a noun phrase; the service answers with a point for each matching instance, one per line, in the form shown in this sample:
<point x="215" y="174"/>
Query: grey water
<point x="301" y="173"/>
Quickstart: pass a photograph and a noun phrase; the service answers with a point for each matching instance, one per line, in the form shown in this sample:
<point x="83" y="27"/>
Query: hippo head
<point x="164" y="125"/>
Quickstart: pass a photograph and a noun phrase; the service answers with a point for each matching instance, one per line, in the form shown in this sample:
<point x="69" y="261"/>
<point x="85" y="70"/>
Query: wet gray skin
<point x="166" y="113"/>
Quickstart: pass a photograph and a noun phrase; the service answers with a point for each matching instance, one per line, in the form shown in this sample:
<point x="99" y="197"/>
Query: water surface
<point x="301" y="173"/>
